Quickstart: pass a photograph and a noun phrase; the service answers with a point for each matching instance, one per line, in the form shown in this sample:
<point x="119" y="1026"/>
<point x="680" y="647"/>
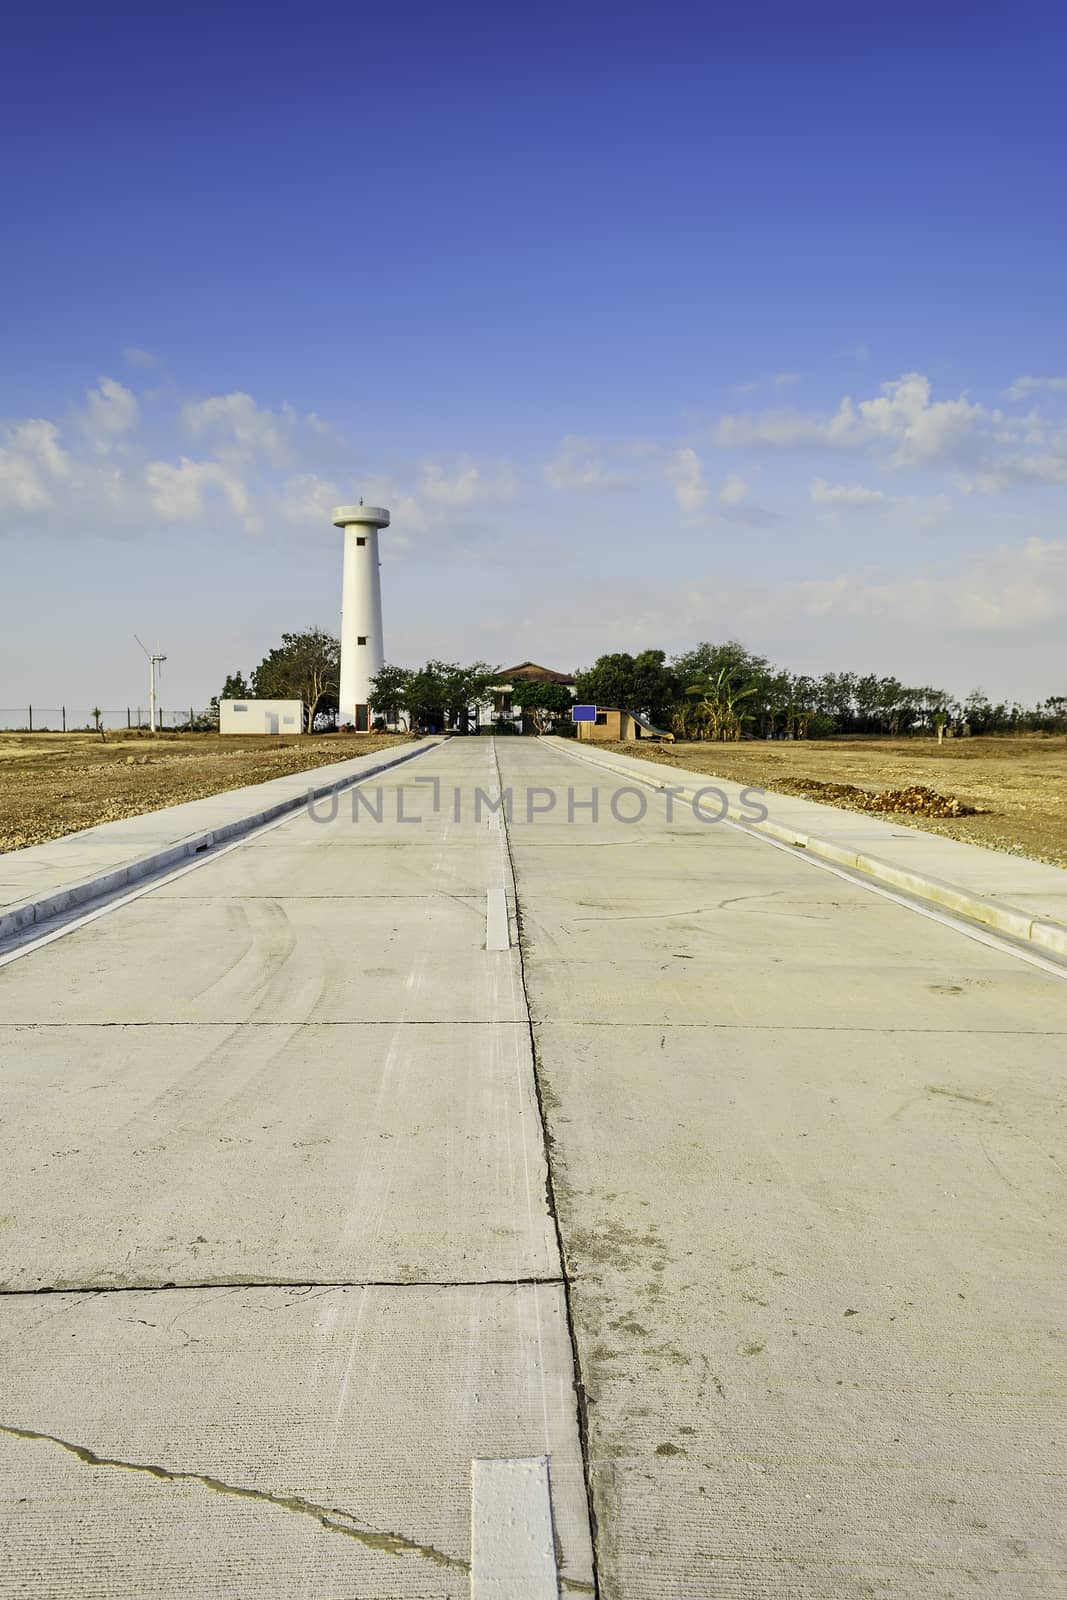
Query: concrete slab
<point x="813" y="1279"/>
<point x="721" y="927"/>
<point x="803" y="993"/>
<point x="402" y="868"/>
<point x="153" y="1155"/>
<point x="271" y="1442"/>
<point x="284" y="959"/>
<point x="804" y="1147"/>
<point x="973" y="868"/>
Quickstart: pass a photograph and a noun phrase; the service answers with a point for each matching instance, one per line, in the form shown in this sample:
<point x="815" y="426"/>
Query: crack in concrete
<point x="391" y="1543"/>
<point x="395" y="1544"/>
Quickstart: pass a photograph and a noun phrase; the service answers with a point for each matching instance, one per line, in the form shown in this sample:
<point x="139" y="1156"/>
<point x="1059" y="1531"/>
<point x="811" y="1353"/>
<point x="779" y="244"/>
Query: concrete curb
<point x="1017" y="924"/>
<point x="72" y="895"/>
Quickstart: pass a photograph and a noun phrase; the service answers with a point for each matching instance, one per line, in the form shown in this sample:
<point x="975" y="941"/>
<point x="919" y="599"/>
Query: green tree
<point x="655" y="686"/>
<point x="730" y="662"/>
<point x="305" y="666"/>
<point x="236" y="687"/>
<point x="711" y="709"/>
<point x="608" y="682"/>
<point x="438" y="696"/>
<point x="545" y="703"/>
<point x="642" y="683"/>
<point x="389" y="691"/>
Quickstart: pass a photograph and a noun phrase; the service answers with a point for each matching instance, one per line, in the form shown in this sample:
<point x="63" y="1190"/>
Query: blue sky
<point x="649" y="324"/>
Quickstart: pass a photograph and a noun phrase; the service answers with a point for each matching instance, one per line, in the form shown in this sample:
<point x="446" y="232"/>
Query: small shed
<point x="613" y="726"/>
<point x="610" y="725"/>
<point x="261" y="716"/>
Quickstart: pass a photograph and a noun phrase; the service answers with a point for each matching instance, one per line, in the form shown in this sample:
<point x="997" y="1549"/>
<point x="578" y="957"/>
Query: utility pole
<point x="154" y="658"/>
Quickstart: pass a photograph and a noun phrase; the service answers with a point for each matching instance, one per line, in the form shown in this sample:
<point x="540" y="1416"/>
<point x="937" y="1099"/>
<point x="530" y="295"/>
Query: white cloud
<point x="177" y="493"/>
<point x="578" y="465"/>
<point x="447" y="501"/>
<point x="31" y="461"/>
<point x="111" y="411"/>
<point x="1022" y="388"/>
<point x="1013" y="470"/>
<point x="309" y="498"/>
<point x="844" y="494"/>
<point x="685" y="474"/>
<point x="467" y="485"/>
<point x="239" y="430"/>
<point x="1012" y="586"/>
<point x="901" y="422"/>
<point x="105" y="478"/>
<point x="735" y="506"/>
<point x="134" y="356"/>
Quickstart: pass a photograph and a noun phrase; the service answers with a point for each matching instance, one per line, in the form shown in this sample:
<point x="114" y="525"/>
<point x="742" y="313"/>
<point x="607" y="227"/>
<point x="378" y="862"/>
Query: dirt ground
<point x="1017" y="785"/>
<point x="56" y="783"/>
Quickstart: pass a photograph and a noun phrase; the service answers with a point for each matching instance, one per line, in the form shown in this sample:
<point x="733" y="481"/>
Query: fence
<point x="82" y="719"/>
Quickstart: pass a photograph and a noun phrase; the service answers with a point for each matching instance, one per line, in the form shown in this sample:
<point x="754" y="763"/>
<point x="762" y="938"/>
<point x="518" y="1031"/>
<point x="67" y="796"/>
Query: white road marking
<point x="497" y="932"/>
<point x="512" y="1548"/>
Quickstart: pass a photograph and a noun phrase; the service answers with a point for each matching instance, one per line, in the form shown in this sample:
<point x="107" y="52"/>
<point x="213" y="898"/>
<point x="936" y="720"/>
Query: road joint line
<point x="580" y="1393"/>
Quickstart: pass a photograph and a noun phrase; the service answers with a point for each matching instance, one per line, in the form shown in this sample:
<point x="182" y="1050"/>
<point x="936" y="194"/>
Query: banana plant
<point x="714" y="713"/>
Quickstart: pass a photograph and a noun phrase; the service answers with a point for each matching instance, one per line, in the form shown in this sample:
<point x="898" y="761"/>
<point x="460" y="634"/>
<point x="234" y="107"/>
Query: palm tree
<point x="713" y="713"/>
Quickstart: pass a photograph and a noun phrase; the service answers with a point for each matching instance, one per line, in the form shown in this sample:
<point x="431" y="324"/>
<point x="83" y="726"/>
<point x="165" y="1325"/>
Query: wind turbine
<point x="153" y="662"/>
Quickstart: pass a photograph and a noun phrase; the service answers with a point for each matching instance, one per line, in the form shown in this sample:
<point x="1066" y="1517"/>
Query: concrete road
<point x="274" y="1137"/>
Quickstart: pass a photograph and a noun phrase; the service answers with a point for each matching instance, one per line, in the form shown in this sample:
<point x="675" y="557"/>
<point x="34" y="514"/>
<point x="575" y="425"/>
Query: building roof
<point x="530" y="672"/>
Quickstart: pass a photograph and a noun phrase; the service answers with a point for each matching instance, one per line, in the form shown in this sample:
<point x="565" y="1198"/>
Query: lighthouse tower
<point x="362" y="650"/>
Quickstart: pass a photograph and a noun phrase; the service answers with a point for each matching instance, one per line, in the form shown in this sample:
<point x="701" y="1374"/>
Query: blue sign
<point x="583" y="713"/>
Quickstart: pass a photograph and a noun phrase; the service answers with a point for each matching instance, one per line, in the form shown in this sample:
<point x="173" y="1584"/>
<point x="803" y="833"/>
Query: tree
<point x="708" y="662"/>
<point x="609" y="682"/>
<point x="389" y="691"/>
<point x="437" y="696"/>
<point x="305" y="666"/>
<point x="710" y="710"/>
<point x="236" y="687"/>
<point x="642" y="683"/>
<point x="544" y="702"/>
<point x="654" y="687"/>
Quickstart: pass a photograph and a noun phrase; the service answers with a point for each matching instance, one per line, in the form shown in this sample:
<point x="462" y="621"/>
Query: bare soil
<point x="55" y="783"/>
<point x="1007" y="793"/>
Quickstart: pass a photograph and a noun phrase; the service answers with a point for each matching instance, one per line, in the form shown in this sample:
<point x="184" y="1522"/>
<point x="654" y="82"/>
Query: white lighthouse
<point x="362" y="650"/>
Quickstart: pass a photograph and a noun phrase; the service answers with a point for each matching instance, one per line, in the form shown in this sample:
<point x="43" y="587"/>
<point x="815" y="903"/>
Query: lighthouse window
<point x="361" y="638"/>
<point x="361" y="541"/>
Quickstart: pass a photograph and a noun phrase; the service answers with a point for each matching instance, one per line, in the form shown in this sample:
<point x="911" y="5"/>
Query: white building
<point x="261" y="716"/>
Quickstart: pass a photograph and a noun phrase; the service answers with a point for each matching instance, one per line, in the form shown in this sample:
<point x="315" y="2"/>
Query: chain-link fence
<point x="87" y="719"/>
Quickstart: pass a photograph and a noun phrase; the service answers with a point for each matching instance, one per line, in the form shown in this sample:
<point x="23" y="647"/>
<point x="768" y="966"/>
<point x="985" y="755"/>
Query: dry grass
<point x="1016" y="785"/>
<point x="55" y="783"/>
